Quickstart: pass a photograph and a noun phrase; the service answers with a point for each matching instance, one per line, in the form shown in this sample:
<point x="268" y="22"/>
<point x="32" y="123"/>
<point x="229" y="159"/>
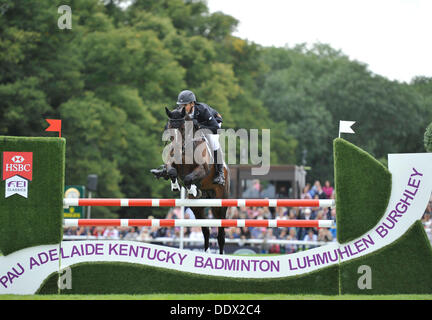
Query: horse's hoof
<point x="193" y="190"/>
<point x="175" y="186"/>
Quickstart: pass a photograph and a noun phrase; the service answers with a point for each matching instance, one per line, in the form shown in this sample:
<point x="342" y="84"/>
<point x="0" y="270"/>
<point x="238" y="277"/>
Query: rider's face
<point x="188" y="107"/>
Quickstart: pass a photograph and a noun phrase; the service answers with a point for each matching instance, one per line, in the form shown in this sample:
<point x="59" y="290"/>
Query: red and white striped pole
<point x="272" y="223"/>
<point x="72" y="202"/>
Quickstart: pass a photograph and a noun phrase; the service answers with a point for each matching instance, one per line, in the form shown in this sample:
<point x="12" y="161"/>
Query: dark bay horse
<point x="195" y="170"/>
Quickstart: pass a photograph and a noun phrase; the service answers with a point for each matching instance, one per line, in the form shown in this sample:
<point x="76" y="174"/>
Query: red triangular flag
<point x="55" y="125"/>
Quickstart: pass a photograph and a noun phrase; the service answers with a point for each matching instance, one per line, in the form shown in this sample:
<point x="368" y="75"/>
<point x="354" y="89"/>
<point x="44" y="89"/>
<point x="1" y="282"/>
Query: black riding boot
<point x="219" y="171"/>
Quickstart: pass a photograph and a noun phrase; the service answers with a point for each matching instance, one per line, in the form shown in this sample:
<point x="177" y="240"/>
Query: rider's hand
<point x="196" y="123"/>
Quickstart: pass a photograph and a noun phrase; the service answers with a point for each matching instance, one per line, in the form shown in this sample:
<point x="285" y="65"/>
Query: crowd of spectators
<point x="426" y="220"/>
<point x="312" y="235"/>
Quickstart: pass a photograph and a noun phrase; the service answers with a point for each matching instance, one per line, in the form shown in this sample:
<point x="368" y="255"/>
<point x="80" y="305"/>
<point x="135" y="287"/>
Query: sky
<point x="393" y="37"/>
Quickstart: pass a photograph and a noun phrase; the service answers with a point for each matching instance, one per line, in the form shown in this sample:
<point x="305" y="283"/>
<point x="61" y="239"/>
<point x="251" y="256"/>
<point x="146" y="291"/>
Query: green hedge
<point x="128" y="278"/>
<point x="36" y="220"/>
<point x="363" y="188"/>
<point x="403" y="267"/>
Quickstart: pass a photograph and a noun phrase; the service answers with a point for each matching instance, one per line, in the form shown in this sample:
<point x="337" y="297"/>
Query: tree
<point x="428" y="138"/>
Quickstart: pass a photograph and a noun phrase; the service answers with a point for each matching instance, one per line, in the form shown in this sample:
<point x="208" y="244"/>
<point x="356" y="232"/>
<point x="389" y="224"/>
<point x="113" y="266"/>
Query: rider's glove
<point x="196" y="123"/>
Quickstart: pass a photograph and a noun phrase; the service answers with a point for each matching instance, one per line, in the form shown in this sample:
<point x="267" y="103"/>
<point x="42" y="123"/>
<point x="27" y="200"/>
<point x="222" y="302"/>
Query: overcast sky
<point x="393" y="37"/>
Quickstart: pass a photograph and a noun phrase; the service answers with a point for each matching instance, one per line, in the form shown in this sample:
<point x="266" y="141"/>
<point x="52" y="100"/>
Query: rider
<point x="204" y="117"/>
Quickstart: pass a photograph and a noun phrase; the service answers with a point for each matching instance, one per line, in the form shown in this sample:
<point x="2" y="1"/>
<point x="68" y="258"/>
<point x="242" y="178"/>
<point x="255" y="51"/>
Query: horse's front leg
<point x="196" y="175"/>
<point x="172" y="174"/>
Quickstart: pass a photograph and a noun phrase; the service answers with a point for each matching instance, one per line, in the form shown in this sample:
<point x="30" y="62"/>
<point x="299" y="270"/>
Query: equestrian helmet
<point x="185" y="97"/>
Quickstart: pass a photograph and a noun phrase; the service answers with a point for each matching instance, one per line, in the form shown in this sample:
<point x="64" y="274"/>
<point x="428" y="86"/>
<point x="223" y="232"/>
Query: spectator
<point x="333" y="217"/>
<point x="243" y="215"/>
<point x="232" y="233"/>
<point x="257" y="233"/>
<point x="305" y="193"/>
<point x="196" y="234"/>
<point x="333" y="214"/>
<point x="144" y="235"/>
<point x="170" y="214"/>
<point x="253" y="191"/>
<point x="245" y="233"/>
<point x="306" y="214"/>
<point x="98" y="232"/>
<point x="282" y="194"/>
<point x="293" y="213"/>
<point x="252" y="212"/>
<point x="188" y="213"/>
<point x="176" y="213"/>
<point x="320" y="192"/>
<point x="292" y="235"/>
<point x="328" y="189"/>
<point x="269" y="192"/>
<point x="243" y="212"/>
<point x="324" y="235"/>
<point x="311" y="237"/>
<point x="269" y="247"/>
<point x="232" y="213"/>
<point x="320" y="215"/>
<point x="154" y="232"/>
<point x="315" y="209"/>
<point x="280" y="213"/>
<point x="111" y="233"/>
<point x="71" y="231"/>
<point x="263" y="213"/>
<point x="426" y="220"/>
<point x="122" y="231"/>
<point x="314" y="189"/>
<point x="132" y="234"/>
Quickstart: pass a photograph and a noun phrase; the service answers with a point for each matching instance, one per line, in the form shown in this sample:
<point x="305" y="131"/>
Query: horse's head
<point x="177" y="118"/>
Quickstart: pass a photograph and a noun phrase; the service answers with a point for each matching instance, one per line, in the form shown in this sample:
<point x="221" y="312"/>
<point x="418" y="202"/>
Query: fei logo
<point x="17" y="170"/>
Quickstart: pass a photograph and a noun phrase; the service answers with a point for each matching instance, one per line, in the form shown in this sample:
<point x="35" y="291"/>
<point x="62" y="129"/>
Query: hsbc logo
<point x="14" y="167"/>
<point x="17" y="171"/>
<point x="17" y="159"/>
<point x="17" y="163"/>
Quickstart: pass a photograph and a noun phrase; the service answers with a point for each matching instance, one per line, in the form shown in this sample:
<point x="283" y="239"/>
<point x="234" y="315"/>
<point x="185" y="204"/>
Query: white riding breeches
<point x="213" y="140"/>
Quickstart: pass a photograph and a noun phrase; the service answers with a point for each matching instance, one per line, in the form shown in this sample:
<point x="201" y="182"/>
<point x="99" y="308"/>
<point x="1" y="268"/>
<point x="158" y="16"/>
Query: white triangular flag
<point x="345" y="127"/>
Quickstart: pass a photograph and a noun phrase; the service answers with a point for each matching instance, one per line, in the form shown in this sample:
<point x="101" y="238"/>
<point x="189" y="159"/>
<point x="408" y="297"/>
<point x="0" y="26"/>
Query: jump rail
<point x="68" y="202"/>
<point x="271" y="223"/>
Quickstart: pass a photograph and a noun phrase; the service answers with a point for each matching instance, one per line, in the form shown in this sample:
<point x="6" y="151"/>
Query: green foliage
<point x="312" y="89"/>
<point x="400" y="268"/>
<point x="428" y="138"/>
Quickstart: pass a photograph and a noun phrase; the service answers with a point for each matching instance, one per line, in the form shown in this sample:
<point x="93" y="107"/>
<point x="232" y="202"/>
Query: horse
<point x="196" y="173"/>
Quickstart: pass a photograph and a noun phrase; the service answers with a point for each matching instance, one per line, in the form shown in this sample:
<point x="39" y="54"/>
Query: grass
<point x="211" y="296"/>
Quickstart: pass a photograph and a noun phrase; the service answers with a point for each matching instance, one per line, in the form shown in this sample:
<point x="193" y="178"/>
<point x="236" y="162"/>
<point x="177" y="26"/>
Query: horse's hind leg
<point x="220" y="213"/>
<point x="206" y="233"/>
<point x="221" y="239"/>
<point x="199" y="214"/>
